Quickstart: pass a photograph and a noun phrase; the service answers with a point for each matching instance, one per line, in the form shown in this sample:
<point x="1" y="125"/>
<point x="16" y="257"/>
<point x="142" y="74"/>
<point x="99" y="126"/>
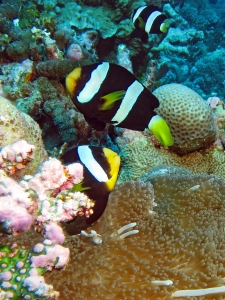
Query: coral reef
<point x="208" y="73"/>
<point x="16" y="125"/>
<point x="161" y="235"/>
<point x="43" y="200"/>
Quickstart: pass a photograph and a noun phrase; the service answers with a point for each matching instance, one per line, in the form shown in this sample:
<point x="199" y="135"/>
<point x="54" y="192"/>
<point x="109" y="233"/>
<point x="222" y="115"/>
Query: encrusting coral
<point x="174" y="245"/>
<point x="140" y="155"/>
<point x="21" y="270"/>
<point x="16" y="156"/>
<point x="16" y="125"/>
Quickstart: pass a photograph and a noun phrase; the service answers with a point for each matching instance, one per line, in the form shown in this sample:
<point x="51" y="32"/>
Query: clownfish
<point x="108" y="93"/>
<point x="148" y="19"/>
<point x="100" y="172"/>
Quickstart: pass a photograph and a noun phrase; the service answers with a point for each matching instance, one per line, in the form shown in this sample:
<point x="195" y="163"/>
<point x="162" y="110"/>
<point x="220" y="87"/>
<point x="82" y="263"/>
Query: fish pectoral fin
<point x="164" y="26"/>
<point x="78" y="187"/>
<point x="141" y="23"/>
<point x="95" y="123"/>
<point x="110" y="99"/>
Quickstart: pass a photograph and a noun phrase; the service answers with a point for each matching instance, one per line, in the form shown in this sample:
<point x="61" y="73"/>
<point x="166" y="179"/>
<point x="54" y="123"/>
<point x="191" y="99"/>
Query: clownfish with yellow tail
<point x="100" y="172"/>
<point x="147" y="20"/>
<point x="108" y="93"/>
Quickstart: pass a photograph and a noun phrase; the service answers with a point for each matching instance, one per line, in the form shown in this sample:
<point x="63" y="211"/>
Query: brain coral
<point x="188" y="116"/>
<point x="15" y="126"/>
<point x="140" y="155"/>
<point x="179" y="246"/>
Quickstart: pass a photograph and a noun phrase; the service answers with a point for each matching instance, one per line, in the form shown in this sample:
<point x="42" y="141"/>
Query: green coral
<point x="47" y="20"/>
<point x="28" y="15"/>
<point x="16" y="262"/>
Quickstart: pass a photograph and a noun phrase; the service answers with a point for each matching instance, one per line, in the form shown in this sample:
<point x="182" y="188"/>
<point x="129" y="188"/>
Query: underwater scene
<point x="112" y="149"/>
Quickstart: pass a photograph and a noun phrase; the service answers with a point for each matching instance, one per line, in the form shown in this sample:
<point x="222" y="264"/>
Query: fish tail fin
<point x="164" y="26"/>
<point x="110" y="99"/>
<point x="161" y="130"/>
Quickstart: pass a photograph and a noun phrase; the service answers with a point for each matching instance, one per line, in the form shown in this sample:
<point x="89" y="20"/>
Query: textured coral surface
<point x="189" y="117"/>
<point x="15" y="126"/>
<point x="179" y="246"/>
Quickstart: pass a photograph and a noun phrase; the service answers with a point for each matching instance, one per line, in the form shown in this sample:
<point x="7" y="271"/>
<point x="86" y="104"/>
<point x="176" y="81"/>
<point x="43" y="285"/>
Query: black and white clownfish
<point x="101" y="168"/>
<point x="108" y="93"/>
<point x="148" y="19"/>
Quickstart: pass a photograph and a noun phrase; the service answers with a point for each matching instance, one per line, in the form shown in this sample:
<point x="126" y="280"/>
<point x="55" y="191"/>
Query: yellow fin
<point x="161" y="130"/>
<point x="114" y="161"/>
<point x="111" y="98"/>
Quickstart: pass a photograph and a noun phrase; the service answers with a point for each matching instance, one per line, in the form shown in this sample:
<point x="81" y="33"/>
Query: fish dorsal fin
<point x="111" y="98"/>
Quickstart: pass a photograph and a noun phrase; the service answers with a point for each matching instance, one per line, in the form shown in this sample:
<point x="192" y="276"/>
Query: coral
<point x="21" y="270"/>
<point x="208" y="72"/>
<point x="95" y="18"/>
<point x="141" y="154"/>
<point x="15" y="126"/>
<point x="15" y="157"/>
<point x="53" y="52"/>
<point x="16" y="207"/>
<point x="14" y="76"/>
<point x="43" y="200"/>
<point x="74" y="52"/>
<point x="177" y="41"/>
<point x="58" y="69"/>
<point x="56" y="201"/>
<point x="189" y="117"/>
<point x="178" y="242"/>
<point x="123" y="57"/>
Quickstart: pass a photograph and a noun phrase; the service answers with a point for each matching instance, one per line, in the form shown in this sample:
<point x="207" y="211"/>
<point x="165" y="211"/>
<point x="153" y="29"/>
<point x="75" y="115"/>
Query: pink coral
<point x="16" y="156"/>
<point x="15" y="207"/>
<point x="54" y="232"/>
<point x="53" y="254"/>
<point x="51" y="176"/>
<point x="75" y="52"/>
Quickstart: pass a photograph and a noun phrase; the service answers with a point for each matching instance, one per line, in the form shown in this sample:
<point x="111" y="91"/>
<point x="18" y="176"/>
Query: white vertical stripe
<point x="137" y="14"/>
<point x="87" y="158"/>
<point x="94" y="83"/>
<point x="128" y="102"/>
<point x="150" y="20"/>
